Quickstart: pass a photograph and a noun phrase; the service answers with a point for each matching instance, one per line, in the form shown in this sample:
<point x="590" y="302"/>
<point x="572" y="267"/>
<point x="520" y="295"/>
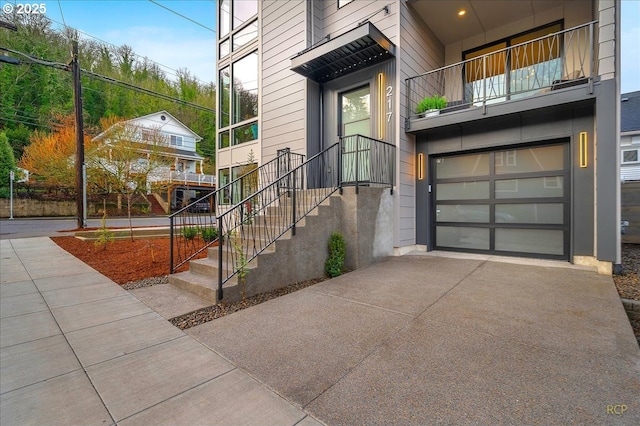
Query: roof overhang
<point x="352" y="51"/>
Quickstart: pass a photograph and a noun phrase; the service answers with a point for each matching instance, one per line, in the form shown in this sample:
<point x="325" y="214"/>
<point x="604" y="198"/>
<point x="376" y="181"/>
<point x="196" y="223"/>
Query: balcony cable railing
<point x="552" y="62"/>
<point x="193" y="227"/>
<point x="255" y="223"/>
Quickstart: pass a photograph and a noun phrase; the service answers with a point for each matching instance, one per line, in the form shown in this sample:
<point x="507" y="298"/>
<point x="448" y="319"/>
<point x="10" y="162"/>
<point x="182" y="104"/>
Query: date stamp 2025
<point x="24" y="8"/>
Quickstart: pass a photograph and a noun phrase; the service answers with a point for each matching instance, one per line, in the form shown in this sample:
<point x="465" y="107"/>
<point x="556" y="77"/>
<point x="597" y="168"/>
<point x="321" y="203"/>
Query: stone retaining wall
<point x="27" y="207"/>
<point x="633" y="308"/>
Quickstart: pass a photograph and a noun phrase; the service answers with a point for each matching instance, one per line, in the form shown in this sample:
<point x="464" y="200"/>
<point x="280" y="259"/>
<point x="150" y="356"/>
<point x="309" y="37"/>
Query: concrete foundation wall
<point x="366" y="222"/>
<point x="40" y="208"/>
<point x="25" y="207"/>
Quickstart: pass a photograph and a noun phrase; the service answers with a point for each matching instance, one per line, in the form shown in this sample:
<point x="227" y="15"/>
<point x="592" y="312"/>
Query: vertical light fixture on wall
<point x="381" y="106"/>
<point x="584" y="158"/>
<point x="421" y="166"/>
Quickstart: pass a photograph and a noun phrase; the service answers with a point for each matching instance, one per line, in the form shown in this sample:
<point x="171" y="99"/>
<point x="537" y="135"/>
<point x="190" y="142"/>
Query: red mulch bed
<point x="124" y="260"/>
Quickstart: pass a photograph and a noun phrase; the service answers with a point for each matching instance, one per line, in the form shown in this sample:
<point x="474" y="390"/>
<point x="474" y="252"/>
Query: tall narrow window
<point x="225" y="17"/>
<point x="225" y="96"/>
<point x="243" y="10"/>
<point x="245" y="88"/>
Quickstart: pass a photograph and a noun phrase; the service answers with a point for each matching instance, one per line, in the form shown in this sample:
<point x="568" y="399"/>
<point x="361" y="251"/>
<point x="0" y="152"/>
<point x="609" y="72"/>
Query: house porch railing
<point x="556" y="61"/>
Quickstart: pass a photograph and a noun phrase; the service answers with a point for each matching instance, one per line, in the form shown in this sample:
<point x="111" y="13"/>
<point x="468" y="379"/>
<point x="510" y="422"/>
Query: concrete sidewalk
<point x="75" y="348"/>
<point x="422" y="339"/>
<point x="418" y="339"/>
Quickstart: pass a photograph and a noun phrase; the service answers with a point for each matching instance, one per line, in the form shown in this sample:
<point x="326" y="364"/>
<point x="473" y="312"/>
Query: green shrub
<point x="430" y="103"/>
<point x="104" y="234"/>
<point x="209" y="234"/>
<point x="189" y="232"/>
<point x="337" y="251"/>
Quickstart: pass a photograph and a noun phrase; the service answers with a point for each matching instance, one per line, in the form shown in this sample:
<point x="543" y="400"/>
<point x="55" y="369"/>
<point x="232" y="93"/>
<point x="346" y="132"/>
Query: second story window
<point x="176" y="140"/>
<point x="235" y="16"/>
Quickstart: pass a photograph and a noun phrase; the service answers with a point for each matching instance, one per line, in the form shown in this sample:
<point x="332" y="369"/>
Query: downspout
<point x="322" y="143"/>
<point x="617" y="267"/>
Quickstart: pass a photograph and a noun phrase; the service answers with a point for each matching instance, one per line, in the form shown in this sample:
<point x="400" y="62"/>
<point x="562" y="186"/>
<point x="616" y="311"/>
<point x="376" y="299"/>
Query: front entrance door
<point x="355" y="119"/>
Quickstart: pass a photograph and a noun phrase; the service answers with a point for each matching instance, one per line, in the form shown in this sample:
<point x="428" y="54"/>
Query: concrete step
<point x="202" y="277"/>
<point x="209" y="266"/>
<point x="203" y="286"/>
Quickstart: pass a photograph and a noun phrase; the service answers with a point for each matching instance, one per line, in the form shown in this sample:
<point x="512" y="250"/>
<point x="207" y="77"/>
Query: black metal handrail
<point x="254" y="224"/>
<point x="193" y="227"/>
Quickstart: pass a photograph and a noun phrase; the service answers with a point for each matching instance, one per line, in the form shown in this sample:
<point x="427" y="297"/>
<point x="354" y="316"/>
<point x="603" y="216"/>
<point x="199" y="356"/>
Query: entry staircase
<point x="275" y="213"/>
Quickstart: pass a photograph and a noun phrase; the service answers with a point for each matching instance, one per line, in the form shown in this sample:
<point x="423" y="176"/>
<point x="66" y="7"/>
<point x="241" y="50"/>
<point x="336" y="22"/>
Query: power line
<point x="25" y="122"/>
<point x="33" y="59"/>
<point x="111" y="80"/>
<point x="146" y="91"/>
<point x="183" y="16"/>
<point x="171" y="71"/>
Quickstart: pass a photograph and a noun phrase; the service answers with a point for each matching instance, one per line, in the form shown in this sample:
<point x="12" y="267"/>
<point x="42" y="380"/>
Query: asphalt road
<point x="50" y="227"/>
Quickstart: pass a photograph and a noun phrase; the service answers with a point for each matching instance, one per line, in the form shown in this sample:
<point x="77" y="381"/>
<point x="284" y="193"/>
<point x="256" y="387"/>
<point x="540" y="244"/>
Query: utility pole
<point x="77" y="102"/>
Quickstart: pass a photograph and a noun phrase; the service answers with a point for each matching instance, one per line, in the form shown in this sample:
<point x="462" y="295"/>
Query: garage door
<point x="509" y="202"/>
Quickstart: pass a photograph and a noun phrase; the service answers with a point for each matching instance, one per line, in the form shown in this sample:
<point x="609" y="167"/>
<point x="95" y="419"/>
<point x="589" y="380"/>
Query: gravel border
<point x="210" y="313"/>
<point x="147" y="282"/>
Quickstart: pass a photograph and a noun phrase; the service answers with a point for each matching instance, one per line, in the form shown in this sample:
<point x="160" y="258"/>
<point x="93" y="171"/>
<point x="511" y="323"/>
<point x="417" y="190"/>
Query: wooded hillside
<point x="38" y="90"/>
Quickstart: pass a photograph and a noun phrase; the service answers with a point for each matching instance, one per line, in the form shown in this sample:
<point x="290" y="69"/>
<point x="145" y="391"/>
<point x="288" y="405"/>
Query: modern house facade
<point x="522" y="158"/>
<point x="181" y="170"/>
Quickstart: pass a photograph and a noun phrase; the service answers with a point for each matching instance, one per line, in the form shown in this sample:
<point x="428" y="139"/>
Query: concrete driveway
<point x="431" y="339"/>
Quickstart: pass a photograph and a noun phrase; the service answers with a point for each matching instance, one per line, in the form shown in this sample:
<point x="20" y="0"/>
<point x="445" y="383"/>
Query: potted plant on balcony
<point x="431" y="105"/>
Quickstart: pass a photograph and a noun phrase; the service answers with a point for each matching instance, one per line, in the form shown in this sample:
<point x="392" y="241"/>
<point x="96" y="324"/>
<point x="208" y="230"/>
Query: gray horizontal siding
<point x="337" y="21"/>
<point x="284" y="34"/>
<point x="418" y="51"/>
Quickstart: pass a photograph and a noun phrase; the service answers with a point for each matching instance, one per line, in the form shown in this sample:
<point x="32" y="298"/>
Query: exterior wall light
<point x="381" y="111"/>
<point x="584" y="157"/>
<point x="420" y="166"/>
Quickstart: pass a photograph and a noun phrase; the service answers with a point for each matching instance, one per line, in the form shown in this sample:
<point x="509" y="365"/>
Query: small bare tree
<point x="129" y="160"/>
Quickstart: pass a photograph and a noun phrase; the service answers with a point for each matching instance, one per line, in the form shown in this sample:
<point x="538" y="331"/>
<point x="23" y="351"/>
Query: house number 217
<point x="389" y="112"/>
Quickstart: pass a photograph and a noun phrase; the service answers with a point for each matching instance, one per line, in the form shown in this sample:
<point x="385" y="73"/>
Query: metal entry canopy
<point x="361" y="47"/>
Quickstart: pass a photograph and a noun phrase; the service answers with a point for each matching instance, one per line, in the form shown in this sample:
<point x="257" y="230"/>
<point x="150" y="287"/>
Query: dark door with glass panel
<point x="513" y="202"/>
<point x="355" y="119"/>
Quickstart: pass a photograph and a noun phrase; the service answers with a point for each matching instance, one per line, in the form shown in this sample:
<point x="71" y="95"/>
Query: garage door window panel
<point x="541" y="241"/>
<point x="478" y="190"/>
<point x="542" y="187"/>
<point x="538" y="213"/>
<point x="463" y="237"/>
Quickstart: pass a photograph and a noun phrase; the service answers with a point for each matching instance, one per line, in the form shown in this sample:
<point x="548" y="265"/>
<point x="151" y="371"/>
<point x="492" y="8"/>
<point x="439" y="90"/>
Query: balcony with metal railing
<point x="553" y="69"/>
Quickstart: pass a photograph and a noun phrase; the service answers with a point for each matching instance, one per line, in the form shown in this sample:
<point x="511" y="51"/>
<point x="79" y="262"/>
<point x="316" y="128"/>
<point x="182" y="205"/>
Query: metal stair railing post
<point x="340" y="153"/>
<point x="293" y="205"/>
<point x="220" y="241"/>
<point x="171" y="228"/>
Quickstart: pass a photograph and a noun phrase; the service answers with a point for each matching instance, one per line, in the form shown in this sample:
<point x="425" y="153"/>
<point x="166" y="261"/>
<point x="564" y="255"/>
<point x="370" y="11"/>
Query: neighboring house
<point x="630" y="166"/>
<point x="630" y="137"/>
<point x="521" y="161"/>
<point x="183" y="178"/>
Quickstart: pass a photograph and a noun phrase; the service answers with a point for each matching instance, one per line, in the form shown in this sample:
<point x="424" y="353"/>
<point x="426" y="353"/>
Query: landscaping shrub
<point x="209" y="234"/>
<point x="337" y="251"/>
<point x="189" y="232"/>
